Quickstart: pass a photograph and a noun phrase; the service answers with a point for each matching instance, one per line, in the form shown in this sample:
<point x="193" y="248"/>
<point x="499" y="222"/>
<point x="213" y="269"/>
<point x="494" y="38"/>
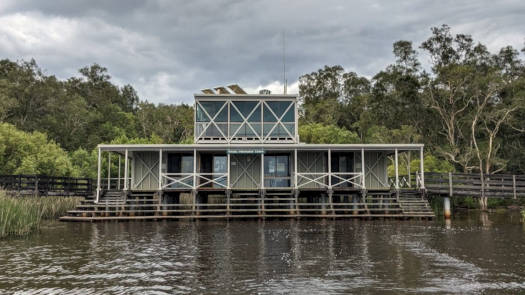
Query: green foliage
<point x="431" y="164"/>
<point x="319" y="133"/>
<point x="83" y="112"/>
<point x="84" y="163"/>
<point x="31" y="153"/>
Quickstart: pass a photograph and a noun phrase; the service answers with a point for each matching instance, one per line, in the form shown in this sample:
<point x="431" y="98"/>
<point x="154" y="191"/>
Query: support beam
<point x="126" y="160"/>
<point x="160" y="169"/>
<point x="228" y="171"/>
<point x="296" y="168"/>
<point x="262" y="170"/>
<point x="514" y="187"/>
<point x="363" y="179"/>
<point x="421" y="167"/>
<point x="330" y="170"/>
<point x="109" y="170"/>
<point x="396" y="166"/>
<point x="194" y="168"/>
<point x="119" y="168"/>
<point x="99" y="164"/>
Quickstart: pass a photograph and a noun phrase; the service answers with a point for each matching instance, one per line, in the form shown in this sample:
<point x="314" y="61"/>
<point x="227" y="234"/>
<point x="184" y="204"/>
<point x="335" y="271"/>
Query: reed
<point x="21" y="215"/>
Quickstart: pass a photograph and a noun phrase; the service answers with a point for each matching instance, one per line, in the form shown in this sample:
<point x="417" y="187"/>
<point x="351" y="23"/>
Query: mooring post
<point x="331" y="201"/>
<point x="446" y="201"/>
<point x="355" y="199"/>
<point x="446" y="208"/>
<point x="228" y="195"/>
<point x="296" y="196"/>
<point x="195" y="201"/>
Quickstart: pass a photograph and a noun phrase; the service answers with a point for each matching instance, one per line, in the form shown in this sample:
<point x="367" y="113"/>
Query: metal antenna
<point x="284" y="62"/>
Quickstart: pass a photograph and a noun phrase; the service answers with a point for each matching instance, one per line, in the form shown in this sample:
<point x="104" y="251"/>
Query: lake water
<point x="474" y="254"/>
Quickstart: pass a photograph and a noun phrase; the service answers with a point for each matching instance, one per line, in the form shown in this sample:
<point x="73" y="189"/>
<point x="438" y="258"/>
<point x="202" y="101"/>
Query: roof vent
<point x="265" y="92"/>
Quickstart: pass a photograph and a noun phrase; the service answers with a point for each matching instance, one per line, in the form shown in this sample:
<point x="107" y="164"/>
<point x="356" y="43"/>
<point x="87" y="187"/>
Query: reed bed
<point x="22" y="215"/>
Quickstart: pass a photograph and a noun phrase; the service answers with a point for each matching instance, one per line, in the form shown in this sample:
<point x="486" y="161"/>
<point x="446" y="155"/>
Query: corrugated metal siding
<point x="313" y="162"/>
<point x="376" y="169"/>
<point x="144" y="177"/>
<point x="252" y="164"/>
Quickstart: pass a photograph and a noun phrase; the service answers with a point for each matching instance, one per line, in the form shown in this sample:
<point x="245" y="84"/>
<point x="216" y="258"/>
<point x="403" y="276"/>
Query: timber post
<point x="450" y="186"/>
<point x="446" y="200"/>
<point x="514" y="187"/>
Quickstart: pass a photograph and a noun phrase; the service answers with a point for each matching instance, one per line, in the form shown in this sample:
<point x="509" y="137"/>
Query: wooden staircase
<point x="413" y="205"/>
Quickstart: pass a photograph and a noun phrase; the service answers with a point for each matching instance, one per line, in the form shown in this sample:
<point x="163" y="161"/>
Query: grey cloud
<point x="170" y="49"/>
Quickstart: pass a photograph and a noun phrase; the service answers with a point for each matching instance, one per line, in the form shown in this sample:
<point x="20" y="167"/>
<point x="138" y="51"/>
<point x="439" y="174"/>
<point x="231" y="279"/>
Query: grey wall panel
<point x="146" y="170"/>
<point x="376" y="172"/>
<point x="241" y="179"/>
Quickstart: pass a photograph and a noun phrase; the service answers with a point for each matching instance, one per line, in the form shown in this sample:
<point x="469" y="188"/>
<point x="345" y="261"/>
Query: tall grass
<point x="21" y="216"/>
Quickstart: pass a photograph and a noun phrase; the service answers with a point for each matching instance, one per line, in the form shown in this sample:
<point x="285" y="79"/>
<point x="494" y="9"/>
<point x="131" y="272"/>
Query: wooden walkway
<point x="470" y="185"/>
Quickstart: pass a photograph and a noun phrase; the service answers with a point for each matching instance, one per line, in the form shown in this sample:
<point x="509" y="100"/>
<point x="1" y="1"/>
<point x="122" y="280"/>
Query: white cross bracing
<point x="245" y="121"/>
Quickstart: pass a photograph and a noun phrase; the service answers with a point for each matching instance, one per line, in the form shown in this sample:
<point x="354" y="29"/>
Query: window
<point x="276" y="171"/>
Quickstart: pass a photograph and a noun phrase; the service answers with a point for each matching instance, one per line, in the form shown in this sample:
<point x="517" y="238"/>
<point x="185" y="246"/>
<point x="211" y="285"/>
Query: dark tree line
<point x="84" y="111"/>
<point x="466" y="104"/>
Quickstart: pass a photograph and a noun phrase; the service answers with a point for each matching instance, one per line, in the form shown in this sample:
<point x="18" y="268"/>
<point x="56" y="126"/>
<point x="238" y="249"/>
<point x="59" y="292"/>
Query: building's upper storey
<point x="245" y="118"/>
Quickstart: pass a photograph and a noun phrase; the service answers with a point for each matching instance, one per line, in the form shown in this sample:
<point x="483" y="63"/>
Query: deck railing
<point x="322" y="179"/>
<point x="47" y="185"/>
<point x="472" y="184"/>
<point x="185" y="180"/>
<point x="177" y="180"/>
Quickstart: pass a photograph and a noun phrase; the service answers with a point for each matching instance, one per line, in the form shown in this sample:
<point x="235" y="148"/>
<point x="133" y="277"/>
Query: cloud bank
<point x="169" y="50"/>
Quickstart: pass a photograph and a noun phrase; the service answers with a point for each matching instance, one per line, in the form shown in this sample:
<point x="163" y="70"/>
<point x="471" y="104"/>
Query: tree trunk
<point x="483" y="198"/>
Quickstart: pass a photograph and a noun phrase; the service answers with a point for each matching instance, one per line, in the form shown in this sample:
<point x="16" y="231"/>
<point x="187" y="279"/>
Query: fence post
<point x="36" y="185"/>
<point x="514" y="186"/>
<point x="450" y="192"/>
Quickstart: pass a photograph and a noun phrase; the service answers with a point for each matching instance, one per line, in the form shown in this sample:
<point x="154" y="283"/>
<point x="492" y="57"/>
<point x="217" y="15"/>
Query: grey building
<point x="247" y="160"/>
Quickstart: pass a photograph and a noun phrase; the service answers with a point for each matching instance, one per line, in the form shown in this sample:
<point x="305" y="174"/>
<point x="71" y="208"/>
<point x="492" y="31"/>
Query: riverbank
<point x="23" y="215"/>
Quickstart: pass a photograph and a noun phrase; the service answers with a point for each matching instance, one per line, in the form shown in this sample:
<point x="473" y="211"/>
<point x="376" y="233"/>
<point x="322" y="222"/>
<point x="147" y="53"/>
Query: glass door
<point x="276" y="171"/>
<point x="220" y="166"/>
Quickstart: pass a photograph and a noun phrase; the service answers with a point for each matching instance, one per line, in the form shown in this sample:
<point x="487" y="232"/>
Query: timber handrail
<point x="47" y="185"/>
<point x="472" y="184"/>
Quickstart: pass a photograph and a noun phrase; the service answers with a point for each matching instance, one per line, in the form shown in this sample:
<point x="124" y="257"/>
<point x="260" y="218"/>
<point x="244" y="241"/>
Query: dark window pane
<point x="268" y="116"/>
<point x="234" y="115"/>
<point x="278" y="107"/>
<point x="290" y="115"/>
<point x="201" y="116"/>
<point x="246" y="107"/>
<point x="222" y="116"/>
<point x="212" y="107"/>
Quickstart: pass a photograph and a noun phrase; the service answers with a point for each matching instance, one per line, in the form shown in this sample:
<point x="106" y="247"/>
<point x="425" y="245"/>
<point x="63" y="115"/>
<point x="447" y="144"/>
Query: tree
<point x="319" y="93"/>
<point x="319" y="133"/>
<point x="31" y="153"/>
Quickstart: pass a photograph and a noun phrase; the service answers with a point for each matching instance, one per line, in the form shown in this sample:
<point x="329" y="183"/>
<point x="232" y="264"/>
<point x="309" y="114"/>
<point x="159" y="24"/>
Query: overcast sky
<point x="169" y="50"/>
